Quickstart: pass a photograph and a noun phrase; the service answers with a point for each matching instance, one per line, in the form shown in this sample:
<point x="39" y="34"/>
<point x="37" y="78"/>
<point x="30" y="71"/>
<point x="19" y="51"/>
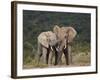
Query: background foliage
<point x="35" y="22"/>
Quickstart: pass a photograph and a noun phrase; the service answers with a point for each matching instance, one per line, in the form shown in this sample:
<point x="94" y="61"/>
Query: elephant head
<point x="46" y="42"/>
<point x="60" y="33"/>
<point x="47" y="38"/>
<point x="65" y="35"/>
<point x="70" y="33"/>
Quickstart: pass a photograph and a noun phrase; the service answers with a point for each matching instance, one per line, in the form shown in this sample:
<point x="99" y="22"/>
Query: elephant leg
<point x="66" y="56"/>
<point x="69" y="55"/>
<point x="56" y="58"/>
<point x="44" y="56"/>
<point x="50" y="58"/>
<point x="39" y="57"/>
<point x="59" y="57"/>
<point x="52" y="50"/>
<point x="47" y="56"/>
<point x="54" y="53"/>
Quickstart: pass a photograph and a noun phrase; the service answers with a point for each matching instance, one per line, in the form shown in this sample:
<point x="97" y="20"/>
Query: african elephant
<point x="46" y="45"/>
<point x="65" y="36"/>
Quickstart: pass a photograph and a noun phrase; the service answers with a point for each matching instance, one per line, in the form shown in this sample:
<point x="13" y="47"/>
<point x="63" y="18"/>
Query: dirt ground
<point x="81" y="59"/>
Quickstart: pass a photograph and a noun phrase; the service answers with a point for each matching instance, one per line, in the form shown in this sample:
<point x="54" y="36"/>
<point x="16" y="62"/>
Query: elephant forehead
<point x="50" y="33"/>
<point x="61" y="34"/>
<point x="53" y="37"/>
<point x="42" y="37"/>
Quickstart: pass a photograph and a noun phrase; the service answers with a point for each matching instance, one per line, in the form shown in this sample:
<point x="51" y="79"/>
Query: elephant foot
<point x="67" y="63"/>
<point x="49" y="64"/>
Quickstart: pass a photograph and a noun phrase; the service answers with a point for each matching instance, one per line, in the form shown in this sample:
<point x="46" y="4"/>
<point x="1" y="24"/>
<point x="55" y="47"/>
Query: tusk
<point x="51" y="48"/>
<point x="65" y="47"/>
<point x="56" y="49"/>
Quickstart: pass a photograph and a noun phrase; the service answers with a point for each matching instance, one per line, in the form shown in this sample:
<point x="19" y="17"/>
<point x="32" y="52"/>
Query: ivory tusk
<point x="51" y="48"/>
<point x="65" y="47"/>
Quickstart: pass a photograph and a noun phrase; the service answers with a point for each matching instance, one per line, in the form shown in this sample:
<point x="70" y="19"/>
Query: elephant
<point x="65" y="36"/>
<point x="47" y="42"/>
<point x="57" y="41"/>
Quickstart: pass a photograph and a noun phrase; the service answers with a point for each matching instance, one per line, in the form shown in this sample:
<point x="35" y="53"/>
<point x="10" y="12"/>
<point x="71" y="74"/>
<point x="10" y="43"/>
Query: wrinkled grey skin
<point x="57" y="42"/>
<point x="65" y="36"/>
<point x="46" y="45"/>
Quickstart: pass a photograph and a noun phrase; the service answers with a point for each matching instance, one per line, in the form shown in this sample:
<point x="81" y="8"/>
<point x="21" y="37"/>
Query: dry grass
<point x="80" y="59"/>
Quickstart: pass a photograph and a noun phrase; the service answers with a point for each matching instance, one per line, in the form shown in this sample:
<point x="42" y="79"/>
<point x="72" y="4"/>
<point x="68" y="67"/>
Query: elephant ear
<point x="56" y="29"/>
<point x="43" y="39"/>
<point x="70" y="33"/>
